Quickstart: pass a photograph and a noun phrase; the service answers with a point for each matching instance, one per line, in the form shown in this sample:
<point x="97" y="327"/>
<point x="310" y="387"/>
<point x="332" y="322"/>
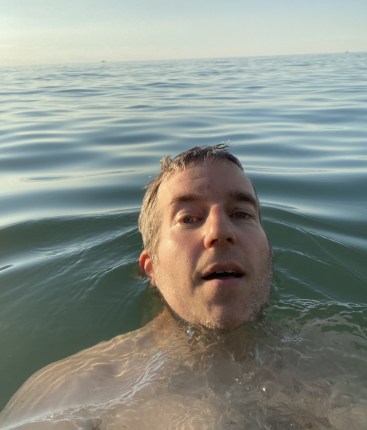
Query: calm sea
<point x="78" y="143"/>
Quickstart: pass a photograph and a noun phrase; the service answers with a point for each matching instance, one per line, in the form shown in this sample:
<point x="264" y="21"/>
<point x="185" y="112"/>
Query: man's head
<point x="205" y="248"/>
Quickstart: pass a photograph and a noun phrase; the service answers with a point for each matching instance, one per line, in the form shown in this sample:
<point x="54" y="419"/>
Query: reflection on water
<point x="77" y="144"/>
<point x="264" y="375"/>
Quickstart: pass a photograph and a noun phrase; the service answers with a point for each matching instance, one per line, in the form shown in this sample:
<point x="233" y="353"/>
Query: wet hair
<point x="150" y="219"/>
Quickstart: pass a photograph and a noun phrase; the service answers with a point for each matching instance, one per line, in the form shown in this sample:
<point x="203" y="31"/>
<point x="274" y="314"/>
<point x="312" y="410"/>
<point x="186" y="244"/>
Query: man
<point x="197" y="365"/>
<point x="205" y="247"/>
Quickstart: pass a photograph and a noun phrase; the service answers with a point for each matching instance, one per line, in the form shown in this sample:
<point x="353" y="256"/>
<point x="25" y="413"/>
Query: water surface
<point x="78" y="143"/>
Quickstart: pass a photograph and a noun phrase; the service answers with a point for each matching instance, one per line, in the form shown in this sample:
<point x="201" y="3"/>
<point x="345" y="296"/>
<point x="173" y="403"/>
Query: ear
<point x="146" y="266"/>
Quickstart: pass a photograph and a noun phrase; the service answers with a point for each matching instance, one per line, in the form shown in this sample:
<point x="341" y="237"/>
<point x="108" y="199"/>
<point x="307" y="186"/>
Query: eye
<point x="188" y="219"/>
<point x="242" y="215"/>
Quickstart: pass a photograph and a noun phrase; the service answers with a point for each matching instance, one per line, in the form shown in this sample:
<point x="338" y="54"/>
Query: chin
<point x="224" y="322"/>
<point x="229" y="319"/>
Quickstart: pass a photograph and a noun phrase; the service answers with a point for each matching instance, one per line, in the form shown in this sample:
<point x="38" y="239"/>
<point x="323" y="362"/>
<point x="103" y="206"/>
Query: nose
<point x="218" y="228"/>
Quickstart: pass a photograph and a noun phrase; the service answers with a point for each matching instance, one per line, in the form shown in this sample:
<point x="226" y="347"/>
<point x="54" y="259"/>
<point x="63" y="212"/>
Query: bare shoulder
<point x="90" y="376"/>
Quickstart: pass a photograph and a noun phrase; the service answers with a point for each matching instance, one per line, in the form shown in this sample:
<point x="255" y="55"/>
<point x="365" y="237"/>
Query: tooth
<point x="219" y="271"/>
<point x="230" y="271"/>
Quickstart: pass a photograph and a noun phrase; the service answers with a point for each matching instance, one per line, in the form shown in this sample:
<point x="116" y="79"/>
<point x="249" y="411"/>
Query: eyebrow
<point x="232" y="195"/>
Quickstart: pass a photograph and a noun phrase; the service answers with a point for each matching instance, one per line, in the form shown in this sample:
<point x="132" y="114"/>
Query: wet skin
<point x="162" y="374"/>
<point x="158" y="375"/>
<point x="211" y="224"/>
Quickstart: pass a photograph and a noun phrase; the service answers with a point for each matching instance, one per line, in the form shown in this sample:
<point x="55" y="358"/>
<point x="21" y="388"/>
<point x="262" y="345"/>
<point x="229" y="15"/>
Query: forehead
<point x="215" y="179"/>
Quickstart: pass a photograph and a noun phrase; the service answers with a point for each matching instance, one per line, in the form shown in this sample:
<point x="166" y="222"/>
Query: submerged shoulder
<point x="89" y="376"/>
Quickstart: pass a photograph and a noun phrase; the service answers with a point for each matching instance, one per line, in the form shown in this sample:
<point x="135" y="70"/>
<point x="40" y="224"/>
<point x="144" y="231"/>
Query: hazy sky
<point x="50" y="31"/>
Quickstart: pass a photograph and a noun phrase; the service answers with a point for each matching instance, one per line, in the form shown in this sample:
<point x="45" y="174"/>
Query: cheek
<point x="257" y="244"/>
<point x="177" y="245"/>
<point x="175" y="257"/>
<point x="168" y="261"/>
<point x="265" y="248"/>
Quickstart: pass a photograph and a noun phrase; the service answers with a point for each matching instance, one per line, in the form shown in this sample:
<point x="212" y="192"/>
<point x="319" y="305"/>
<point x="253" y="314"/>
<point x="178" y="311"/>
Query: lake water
<point x="79" y="141"/>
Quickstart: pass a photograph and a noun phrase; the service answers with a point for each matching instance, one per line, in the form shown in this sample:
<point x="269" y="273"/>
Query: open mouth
<point x="220" y="274"/>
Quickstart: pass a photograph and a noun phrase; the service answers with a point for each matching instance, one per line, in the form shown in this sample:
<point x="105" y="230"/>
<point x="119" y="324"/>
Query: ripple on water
<point x="77" y="145"/>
